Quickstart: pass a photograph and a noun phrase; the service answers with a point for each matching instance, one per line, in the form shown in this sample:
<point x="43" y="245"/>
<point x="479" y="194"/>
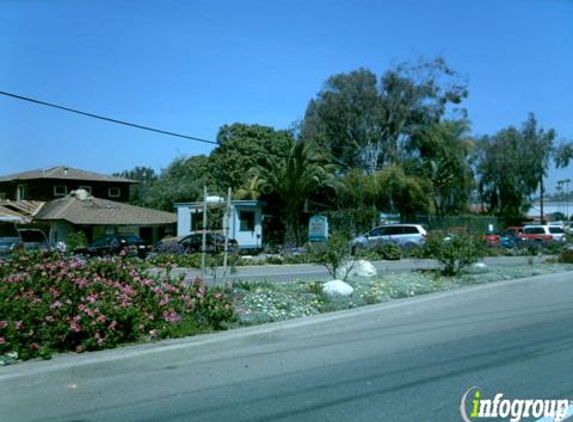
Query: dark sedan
<point x="192" y="243"/>
<point x="130" y="244"/>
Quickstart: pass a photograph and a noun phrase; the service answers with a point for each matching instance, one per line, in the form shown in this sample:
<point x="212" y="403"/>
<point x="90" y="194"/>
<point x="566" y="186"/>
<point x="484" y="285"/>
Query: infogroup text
<point x="514" y="409"/>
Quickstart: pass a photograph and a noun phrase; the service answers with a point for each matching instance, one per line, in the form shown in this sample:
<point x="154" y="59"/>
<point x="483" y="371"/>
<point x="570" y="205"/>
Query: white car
<point x="555" y="231"/>
<point x="402" y="235"/>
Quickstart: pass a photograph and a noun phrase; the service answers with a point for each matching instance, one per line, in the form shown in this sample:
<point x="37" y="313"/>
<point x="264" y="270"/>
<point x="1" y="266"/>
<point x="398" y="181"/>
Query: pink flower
<point x="3" y="324"/>
<point x="50" y="318"/>
<point x="101" y="318"/>
<point x="34" y="346"/>
<point x="56" y="304"/>
<point x="112" y="325"/>
<point x="2" y="340"/>
<point x="75" y="327"/>
<point x="100" y="340"/>
<point x="153" y="333"/>
<point x="18" y="325"/>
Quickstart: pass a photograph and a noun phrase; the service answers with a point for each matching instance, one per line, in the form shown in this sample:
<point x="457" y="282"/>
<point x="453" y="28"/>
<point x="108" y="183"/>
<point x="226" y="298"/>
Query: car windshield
<point x="102" y="241"/>
<point x="32" y="236"/>
<point x="129" y="238"/>
<point x="8" y="230"/>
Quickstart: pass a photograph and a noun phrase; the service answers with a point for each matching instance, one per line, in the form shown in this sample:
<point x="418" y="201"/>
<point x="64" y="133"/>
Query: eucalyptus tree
<point x="368" y="123"/>
<point x="511" y="166"/>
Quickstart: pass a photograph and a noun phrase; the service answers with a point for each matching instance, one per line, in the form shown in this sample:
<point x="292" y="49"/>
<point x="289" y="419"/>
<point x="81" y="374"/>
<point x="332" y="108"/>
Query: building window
<point x="247" y="221"/>
<point x="113" y="192"/>
<point x="60" y="190"/>
<point x="21" y="193"/>
<point x="88" y="189"/>
<point x="196" y="221"/>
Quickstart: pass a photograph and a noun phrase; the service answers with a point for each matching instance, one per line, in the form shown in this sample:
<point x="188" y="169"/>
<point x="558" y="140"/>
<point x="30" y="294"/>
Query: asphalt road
<point x="407" y="360"/>
<point x="314" y="272"/>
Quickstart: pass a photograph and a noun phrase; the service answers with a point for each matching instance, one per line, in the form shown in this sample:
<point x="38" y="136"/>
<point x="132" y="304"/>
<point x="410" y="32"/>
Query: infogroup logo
<point x="515" y="409"/>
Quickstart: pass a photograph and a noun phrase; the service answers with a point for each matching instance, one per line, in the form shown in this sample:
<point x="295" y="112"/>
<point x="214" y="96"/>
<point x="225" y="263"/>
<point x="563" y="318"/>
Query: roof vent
<point x="66" y="169"/>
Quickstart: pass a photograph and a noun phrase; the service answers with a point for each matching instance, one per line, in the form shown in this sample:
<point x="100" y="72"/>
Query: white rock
<point x="361" y="268"/>
<point x="337" y="288"/>
<point x="478" y="268"/>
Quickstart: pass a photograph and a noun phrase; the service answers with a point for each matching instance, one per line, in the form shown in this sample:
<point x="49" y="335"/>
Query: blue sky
<point x="192" y="66"/>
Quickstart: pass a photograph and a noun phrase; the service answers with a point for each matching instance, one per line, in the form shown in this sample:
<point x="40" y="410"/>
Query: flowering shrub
<point x="52" y="303"/>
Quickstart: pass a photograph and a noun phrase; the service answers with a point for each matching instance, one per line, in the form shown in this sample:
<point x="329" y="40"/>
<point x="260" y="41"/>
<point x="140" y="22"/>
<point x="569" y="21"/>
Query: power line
<point x="107" y="119"/>
<point x="149" y="128"/>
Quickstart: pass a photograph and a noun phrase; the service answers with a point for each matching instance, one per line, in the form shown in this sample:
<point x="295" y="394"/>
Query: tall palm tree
<point x="294" y="178"/>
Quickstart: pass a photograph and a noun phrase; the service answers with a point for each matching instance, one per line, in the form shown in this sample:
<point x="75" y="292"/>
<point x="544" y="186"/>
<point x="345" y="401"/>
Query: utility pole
<point x="541" y="190"/>
<point x="226" y="217"/>
<point x="204" y="239"/>
<point x="567" y="181"/>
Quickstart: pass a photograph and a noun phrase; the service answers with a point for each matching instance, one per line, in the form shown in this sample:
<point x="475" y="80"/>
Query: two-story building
<point x="62" y="200"/>
<point x="57" y="182"/>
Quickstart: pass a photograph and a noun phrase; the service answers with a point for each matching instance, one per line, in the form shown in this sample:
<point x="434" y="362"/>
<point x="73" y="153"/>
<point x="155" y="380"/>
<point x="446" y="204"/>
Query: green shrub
<point x="454" y="252"/>
<point x="76" y="240"/>
<point x="566" y="256"/>
<point x="388" y="251"/>
<point x="52" y="303"/>
<point x="554" y="248"/>
<point x="332" y="254"/>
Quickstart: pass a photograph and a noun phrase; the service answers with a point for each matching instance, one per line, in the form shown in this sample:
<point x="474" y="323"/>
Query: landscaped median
<point x="52" y="303"/>
<point x="268" y="302"/>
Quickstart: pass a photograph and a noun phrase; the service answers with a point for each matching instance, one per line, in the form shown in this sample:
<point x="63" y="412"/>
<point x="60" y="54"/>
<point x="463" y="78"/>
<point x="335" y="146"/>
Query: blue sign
<point x="317" y="228"/>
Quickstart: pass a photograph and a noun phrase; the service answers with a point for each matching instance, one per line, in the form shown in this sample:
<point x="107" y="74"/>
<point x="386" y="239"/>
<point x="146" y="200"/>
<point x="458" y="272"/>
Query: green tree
<point x="403" y="192"/>
<point x="181" y="181"/>
<point x="445" y="149"/>
<point x="368" y="125"/>
<point x="510" y="167"/>
<point x="294" y="176"/>
<point x="240" y="148"/>
<point x="146" y="177"/>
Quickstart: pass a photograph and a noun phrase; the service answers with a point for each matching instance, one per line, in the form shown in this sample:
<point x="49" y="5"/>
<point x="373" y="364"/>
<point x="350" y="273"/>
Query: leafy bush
<point x="193" y="260"/>
<point x="332" y="254"/>
<point x="388" y="251"/>
<point x="76" y="240"/>
<point x="185" y="260"/>
<point x="566" y="256"/>
<point x="52" y="303"/>
<point x="454" y="252"/>
<point x="554" y="248"/>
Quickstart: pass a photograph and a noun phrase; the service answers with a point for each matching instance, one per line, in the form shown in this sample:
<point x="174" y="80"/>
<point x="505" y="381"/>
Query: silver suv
<point x="403" y="235"/>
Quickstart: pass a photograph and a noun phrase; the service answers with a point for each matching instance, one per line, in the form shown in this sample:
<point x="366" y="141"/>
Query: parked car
<point x="558" y="233"/>
<point x="535" y="234"/>
<point x="10" y="239"/>
<point x="192" y="243"/>
<point x="33" y="239"/>
<point x="492" y="239"/>
<point x="114" y="245"/>
<point x="403" y="235"/>
<point x="543" y="233"/>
